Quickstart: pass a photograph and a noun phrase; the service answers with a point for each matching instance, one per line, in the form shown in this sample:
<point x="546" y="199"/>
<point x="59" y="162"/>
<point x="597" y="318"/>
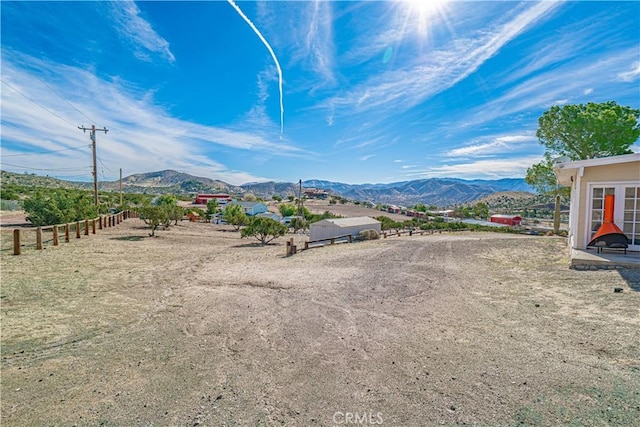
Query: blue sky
<point x="348" y="91"/>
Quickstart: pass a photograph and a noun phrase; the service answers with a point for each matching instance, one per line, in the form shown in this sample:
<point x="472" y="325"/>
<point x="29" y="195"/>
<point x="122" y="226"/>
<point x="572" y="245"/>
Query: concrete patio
<point x="606" y="259"/>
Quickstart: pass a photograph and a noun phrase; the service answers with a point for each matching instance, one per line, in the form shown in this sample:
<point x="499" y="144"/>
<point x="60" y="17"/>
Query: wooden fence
<point x="54" y="234"/>
<point x="332" y="241"/>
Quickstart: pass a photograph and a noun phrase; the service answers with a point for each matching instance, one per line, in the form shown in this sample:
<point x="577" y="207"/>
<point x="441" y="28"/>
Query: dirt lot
<point x="200" y="327"/>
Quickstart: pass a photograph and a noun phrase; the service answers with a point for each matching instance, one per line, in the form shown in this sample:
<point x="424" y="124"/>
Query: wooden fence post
<point x="77" y="229"/>
<point x="39" y="238"/>
<point x="55" y="235"/>
<point x="93" y="226"/>
<point x="16" y="241"/>
<point x="66" y="232"/>
<point x="100" y="223"/>
<point x="86" y="227"/>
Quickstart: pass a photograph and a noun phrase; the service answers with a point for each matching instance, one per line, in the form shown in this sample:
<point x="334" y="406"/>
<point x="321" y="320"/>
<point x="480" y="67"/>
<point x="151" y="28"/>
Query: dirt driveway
<point x="200" y="327"/>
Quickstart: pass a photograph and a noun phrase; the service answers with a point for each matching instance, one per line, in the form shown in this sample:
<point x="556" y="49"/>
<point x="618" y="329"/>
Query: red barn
<point x="203" y="199"/>
<point x="506" y="219"/>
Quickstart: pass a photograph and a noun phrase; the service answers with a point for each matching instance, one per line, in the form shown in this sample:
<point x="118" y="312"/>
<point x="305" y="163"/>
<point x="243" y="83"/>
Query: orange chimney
<point x="608" y="226"/>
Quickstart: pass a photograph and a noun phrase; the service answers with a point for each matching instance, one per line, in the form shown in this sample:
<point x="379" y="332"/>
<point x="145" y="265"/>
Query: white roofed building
<point x="334" y="227"/>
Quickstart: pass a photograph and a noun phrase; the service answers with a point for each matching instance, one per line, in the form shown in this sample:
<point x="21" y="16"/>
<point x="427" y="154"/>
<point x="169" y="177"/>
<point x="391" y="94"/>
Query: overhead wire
<point x="47" y="152"/>
<point x="47" y="169"/>
<point x="38" y="104"/>
<point x="65" y="100"/>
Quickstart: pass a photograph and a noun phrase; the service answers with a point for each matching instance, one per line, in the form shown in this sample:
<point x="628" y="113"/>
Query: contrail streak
<point x="273" y="55"/>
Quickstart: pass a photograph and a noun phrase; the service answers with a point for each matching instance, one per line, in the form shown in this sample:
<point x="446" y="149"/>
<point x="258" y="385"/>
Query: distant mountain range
<point x="435" y="191"/>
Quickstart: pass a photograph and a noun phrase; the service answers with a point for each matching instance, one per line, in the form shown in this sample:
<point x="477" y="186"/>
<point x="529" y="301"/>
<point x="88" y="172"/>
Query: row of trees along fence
<point x="53" y="234"/>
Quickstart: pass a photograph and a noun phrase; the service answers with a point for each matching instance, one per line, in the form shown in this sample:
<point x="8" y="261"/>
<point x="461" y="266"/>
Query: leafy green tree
<point x="299" y="224"/>
<point x="541" y="177"/>
<point x="234" y="215"/>
<point x="264" y="229"/>
<point x="174" y="213"/>
<point x="588" y="131"/>
<point x="153" y="216"/>
<point x="249" y="197"/>
<point x="166" y="199"/>
<point x="481" y="210"/>
<point x="291" y="197"/>
<point x="420" y="207"/>
<point x="276" y="197"/>
<point x="287" y="209"/>
<point x="59" y="207"/>
<point x="462" y="212"/>
<point x="388" y="223"/>
<point x="212" y="208"/>
<point x="581" y="132"/>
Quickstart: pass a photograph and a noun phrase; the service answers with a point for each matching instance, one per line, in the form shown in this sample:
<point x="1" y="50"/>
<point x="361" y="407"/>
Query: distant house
<point x="315" y="193"/>
<point x="252" y="208"/>
<point x="334" y="227"/>
<point x="274" y="216"/>
<point x="203" y="199"/>
<point x="393" y="209"/>
<point x="513" y="220"/>
<point x="591" y="181"/>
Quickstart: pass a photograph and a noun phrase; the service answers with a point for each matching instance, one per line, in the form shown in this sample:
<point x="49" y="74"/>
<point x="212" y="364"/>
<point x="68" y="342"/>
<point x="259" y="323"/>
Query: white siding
<point x="329" y="228"/>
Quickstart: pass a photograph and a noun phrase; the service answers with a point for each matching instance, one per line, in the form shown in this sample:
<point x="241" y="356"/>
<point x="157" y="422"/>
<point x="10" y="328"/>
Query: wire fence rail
<point x="53" y="235"/>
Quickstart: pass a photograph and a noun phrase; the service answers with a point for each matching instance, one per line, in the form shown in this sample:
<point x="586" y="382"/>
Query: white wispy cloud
<point x="555" y="87"/>
<point x="142" y="136"/>
<point x="367" y="157"/>
<point x="138" y="31"/>
<point x="319" y="48"/>
<point x="632" y="74"/>
<point x="498" y="145"/>
<point x="404" y="88"/>
<point x="490" y="169"/>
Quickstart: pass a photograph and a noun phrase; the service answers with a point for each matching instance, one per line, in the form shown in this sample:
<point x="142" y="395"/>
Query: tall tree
<point x="264" y="229"/>
<point x="582" y="131"/>
<point x="588" y="131"/>
<point x="234" y="214"/>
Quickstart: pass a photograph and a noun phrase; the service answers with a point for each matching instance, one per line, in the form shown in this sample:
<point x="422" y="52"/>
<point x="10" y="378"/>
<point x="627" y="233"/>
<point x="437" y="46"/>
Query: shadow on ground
<point x="130" y="238"/>
<point x="632" y="277"/>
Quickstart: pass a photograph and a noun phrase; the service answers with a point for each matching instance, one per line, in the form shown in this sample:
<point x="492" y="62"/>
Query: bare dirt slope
<point x="199" y="327"/>
<point x="349" y="210"/>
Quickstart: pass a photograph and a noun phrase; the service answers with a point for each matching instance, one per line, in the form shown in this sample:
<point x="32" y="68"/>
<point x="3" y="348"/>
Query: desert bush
<point x="369" y="234"/>
<point x="58" y="208"/>
<point x="153" y="216"/>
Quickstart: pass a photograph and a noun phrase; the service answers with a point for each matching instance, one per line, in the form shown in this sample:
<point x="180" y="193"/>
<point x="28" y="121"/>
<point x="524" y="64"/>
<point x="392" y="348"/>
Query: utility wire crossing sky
<point x="375" y="91"/>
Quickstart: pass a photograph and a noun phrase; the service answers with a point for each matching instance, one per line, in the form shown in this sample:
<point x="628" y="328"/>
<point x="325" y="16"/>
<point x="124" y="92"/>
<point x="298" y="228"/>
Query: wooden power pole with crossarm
<point x="92" y="136"/>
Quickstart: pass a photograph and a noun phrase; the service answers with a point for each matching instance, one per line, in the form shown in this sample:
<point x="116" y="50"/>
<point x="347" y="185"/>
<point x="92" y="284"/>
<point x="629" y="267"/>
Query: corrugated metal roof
<point x="350" y="222"/>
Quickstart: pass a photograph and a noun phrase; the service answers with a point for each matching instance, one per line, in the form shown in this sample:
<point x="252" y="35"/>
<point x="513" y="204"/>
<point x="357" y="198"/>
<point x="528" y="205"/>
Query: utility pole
<point x="300" y="209"/>
<point x="92" y="136"/>
<point x="120" y="188"/>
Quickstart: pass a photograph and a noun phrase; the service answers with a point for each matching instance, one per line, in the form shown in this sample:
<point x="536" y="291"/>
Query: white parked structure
<point x="334" y="227"/>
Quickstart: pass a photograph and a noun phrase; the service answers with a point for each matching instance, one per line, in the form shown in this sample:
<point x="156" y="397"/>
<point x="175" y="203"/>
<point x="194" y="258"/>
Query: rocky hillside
<point x="441" y="192"/>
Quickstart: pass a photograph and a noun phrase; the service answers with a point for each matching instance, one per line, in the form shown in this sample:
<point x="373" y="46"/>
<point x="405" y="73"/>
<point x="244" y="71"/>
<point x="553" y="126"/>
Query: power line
<point x="47" y="152"/>
<point x="50" y="169"/>
<point x="39" y="105"/>
<point x="65" y="100"/>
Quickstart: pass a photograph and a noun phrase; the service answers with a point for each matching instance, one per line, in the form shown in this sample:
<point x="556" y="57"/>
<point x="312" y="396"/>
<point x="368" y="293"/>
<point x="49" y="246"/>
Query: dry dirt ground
<point x="200" y="327"/>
